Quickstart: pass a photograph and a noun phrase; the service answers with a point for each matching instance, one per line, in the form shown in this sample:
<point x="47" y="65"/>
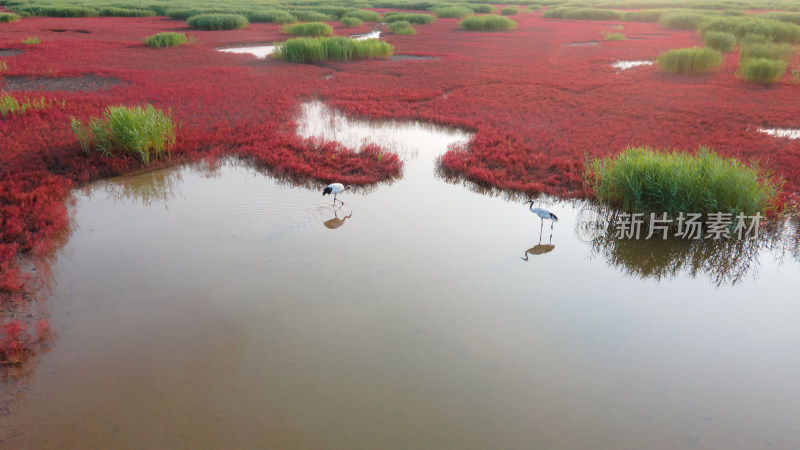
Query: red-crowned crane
<point x="543" y="214"/>
<point x="335" y="188"/>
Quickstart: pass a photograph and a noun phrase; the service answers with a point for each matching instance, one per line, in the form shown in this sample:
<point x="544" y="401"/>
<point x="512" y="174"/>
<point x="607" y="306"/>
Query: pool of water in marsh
<point x="218" y="307"/>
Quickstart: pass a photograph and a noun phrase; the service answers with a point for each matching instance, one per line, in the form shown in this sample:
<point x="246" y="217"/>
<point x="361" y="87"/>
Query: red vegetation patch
<point x="538" y="108"/>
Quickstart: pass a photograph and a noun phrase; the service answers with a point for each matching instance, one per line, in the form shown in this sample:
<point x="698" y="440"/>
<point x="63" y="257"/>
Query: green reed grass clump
<point x="532" y="8"/>
<point x="169" y="39"/>
<point x="304" y="15"/>
<point x="720" y="40"/>
<point x="142" y="132"/>
<point x="113" y="11"/>
<point x="793" y="17"/>
<point x="8" y="17"/>
<point x="351" y="22"/>
<point x="3" y="66"/>
<point x="489" y="22"/>
<point x="694" y="60"/>
<point x="416" y="19"/>
<point x="451" y="12"/>
<point x="762" y="70"/>
<point x="304" y="50"/>
<point x="480" y="8"/>
<point x="774" y="52"/>
<point x="572" y="13"/>
<point x="645" y="15"/>
<point x="683" y="20"/>
<point x="775" y="30"/>
<point x="32" y="40"/>
<point x="57" y="10"/>
<point x="309" y="29"/>
<point x="645" y="180"/>
<point x="364" y="15"/>
<point x="615" y="36"/>
<point x="281" y="17"/>
<point x="10" y="105"/>
<point x="509" y="11"/>
<point x="753" y="38"/>
<point x="401" y="27"/>
<point x="216" y="22"/>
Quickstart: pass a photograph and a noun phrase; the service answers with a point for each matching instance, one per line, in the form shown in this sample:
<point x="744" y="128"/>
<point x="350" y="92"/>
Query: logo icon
<point x="590" y="225"/>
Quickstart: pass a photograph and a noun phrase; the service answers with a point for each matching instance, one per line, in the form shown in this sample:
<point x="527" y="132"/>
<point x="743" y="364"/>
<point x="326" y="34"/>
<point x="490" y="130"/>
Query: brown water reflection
<point x="336" y="222"/>
<point x="232" y="319"/>
<point x="720" y="261"/>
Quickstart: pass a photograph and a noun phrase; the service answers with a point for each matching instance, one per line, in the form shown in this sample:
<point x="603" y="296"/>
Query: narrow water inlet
<point x="259" y="51"/>
<point x="788" y="133"/>
<point x="624" y="65"/>
<point x="361" y="37"/>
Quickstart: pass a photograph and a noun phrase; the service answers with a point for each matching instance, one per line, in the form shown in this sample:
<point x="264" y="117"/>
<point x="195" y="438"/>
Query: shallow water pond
<point x="219" y="308"/>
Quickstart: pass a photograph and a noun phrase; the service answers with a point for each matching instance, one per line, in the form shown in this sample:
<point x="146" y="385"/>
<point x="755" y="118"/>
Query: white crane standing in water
<point x="543" y="214"/>
<point x="335" y="188"/>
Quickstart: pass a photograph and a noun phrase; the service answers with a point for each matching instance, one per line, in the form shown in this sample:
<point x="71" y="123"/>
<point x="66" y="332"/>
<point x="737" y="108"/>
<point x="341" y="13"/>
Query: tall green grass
<point x="416" y="19"/>
<point x="304" y="15"/>
<point x="480" y="8"/>
<point x="10" y="105"/>
<point x="753" y="38"/>
<point x="572" y="13"/>
<point x="58" y="10"/>
<point x="774" y="52"/>
<point x="32" y="40"/>
<point x="762" y="70"/>
<point x="3" y="66"/>
<point x="489" y="22"/>
<point x="8" y="17"/>
<point x="645" y="180"/>
<point x="509" y="11"/>
<point x="740" y="26"/>
<point x="273" y="16"/>
<point x="793" y="17"/>
<point x="683" y="20"/>
<point x="304" y="50"/>
<point x="351" y="22"/>
<point x="142" y="132"/>
<point x="689" y="60"/>
<point x="719" y="40"/>
<point x="215" y="22"/>
<point x="614" y="36"/>
<point x="401" y="27"/>
<point x="309" y="29"/>
<point x="451" y="12"/>
<point x="169" y="39"/>
<point x="364" y="16"/>
<point x="113" y="11"/>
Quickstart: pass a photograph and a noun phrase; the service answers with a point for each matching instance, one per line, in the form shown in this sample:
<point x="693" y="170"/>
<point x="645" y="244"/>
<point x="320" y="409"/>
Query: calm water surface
<point x="218" y="308"/>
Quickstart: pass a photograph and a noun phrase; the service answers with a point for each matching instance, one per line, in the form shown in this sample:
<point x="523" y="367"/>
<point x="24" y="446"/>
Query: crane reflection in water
<point x="336" y="222"/>
<point x="539" y="249"/>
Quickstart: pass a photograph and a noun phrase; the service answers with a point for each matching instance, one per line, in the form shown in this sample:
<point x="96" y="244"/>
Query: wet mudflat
<point x="216" y="307"/>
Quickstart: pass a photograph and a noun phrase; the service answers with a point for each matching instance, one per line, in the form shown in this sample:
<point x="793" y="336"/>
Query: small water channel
<point x="259" y="51"/>
<point x="788" y="133"/>
<point x="217" y="307"/>
<point x="624" y="65"/>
